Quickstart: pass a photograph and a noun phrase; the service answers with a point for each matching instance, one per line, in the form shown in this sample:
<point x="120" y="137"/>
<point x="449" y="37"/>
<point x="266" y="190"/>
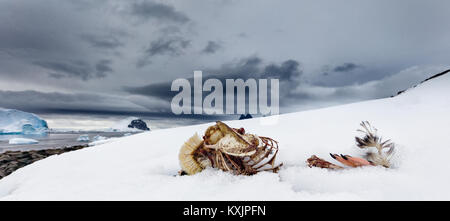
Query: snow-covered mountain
<point x="430" y="78"/>
<point x="143" y="166"/>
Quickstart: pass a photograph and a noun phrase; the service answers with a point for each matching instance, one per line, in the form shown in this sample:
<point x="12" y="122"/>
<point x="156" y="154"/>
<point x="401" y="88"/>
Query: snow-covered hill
<point x="143" y="166"/>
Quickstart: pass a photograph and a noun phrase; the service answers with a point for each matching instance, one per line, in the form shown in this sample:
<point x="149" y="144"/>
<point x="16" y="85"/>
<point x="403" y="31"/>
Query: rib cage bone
<point x="231" y="150"/>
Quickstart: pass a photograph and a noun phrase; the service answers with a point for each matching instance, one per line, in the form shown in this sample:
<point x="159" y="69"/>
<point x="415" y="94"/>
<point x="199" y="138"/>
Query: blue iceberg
<point x="19" y="122"/>
<point x="83" y="138"/>
<point x="99" y="138"/>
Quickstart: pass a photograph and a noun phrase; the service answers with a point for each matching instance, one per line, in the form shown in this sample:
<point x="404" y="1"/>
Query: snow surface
<point x="22" y="141"/>
<point x="19" y="122"/>
<point x="144" y="166"/>
<point x="102" y="141"/>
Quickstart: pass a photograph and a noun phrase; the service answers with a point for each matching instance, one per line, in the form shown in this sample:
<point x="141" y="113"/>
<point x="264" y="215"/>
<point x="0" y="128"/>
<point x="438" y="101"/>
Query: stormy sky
<point x="120" y="57"/>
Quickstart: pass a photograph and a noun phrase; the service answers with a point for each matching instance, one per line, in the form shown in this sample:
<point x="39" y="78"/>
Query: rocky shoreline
<point x="10" y="161"/>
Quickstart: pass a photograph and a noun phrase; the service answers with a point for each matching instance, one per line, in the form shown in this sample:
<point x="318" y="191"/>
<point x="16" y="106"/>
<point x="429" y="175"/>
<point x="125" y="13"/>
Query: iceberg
<point x="22" y="141"/>
<point x="20" y="122"/>
<point x="83" y="138"/>
<point x="98" y="138"/>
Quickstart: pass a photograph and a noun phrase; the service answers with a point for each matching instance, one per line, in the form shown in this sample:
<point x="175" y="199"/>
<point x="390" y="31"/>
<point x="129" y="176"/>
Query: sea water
<point x="52" y="140"/>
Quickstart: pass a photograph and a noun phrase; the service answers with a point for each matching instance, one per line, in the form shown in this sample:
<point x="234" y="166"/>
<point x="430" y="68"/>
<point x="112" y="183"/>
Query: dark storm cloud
<point x="346" y="67"/>
<point x="171" y="46"/>
<point x="75" y="69"/>
<point x="348" y="74"/>
<point x="84" y="103"/>
<point x="103" y="67"/>
<point x="246" y="67"/>
<point x="170" y="30"/>
<point x="294" y="91"/>
<point x="53" y="37"/>
<point x="211" y="47"/>
<point x="32" y="100"/>
<point x="106" y="42"/>
<point x="25" y="34"/>
<point x="288" y="70"/>
<point x="151" y="10"/>
<point x="167" y="46"/>
<point x="158" y="90"/>
<point x="79" y="41"/>
<point x="252" y="67"/>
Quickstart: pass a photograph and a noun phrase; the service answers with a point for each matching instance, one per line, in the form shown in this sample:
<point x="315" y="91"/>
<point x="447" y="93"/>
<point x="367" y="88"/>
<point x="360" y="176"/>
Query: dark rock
<point x="243" y="116"/>
<point x="13" y="160"/>
<point x="138" y="124"/>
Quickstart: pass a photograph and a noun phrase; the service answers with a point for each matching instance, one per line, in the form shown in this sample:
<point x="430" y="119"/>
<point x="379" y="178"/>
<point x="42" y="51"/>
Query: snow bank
<point x="22" y="141"/>
<point x="19" y="122"/>
<point x="104" y="140"/>
<point x="144" y="166"/>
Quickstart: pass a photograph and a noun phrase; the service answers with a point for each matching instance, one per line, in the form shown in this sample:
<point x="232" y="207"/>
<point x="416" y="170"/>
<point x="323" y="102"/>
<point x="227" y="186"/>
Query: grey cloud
<point x="86" y="4"/>
<point x="346" y="67"/>
<point x="172" y="46"/>
<point x="211" y="47"/>
<point x="106" y="42"/>
<point x="151" y="10"/>
<point x="288" y="72"/>
<point x="348" y="74"/>
<point x="90" y="104"/>
<point x="56" y="75"/>
<point x="103" y="67"/>
<point x="57" y="35"/>
<point x="32" y="100"/>
<point x="50" y="36"/>
<point x="319" y="96"/>
<point x="244" y="68"/>
<point x="242" y="35"/>
<point x="157" y="90"/>
<point x="171" y="29"/>
<point x="167" y="46"/>
<point x="72" y="69"/>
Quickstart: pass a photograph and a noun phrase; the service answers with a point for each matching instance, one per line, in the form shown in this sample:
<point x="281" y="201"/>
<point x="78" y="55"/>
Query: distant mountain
<point x="129" y="124"/>
<point x="138" y="124"/>
<point x="243" y="116"/>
